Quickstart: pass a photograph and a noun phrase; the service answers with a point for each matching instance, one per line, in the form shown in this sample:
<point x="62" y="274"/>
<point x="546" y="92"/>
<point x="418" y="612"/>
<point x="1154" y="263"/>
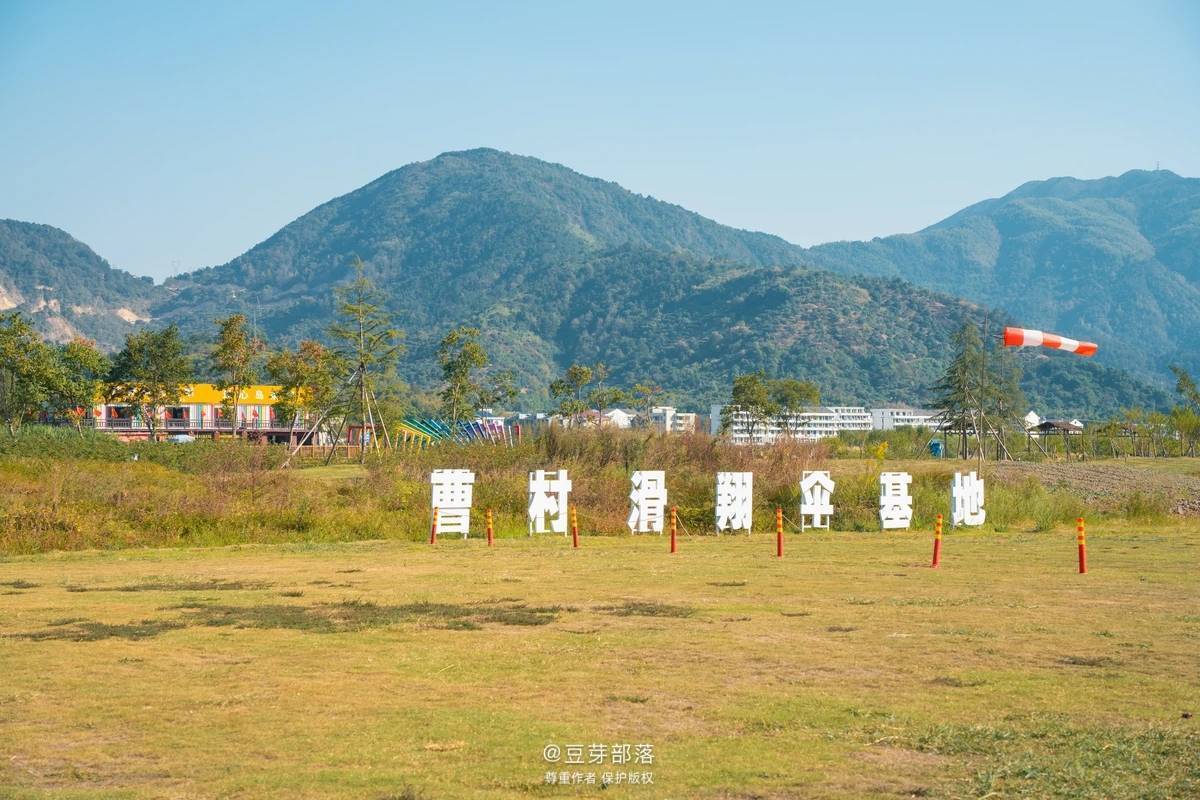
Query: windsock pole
<point x="937" y="542"/>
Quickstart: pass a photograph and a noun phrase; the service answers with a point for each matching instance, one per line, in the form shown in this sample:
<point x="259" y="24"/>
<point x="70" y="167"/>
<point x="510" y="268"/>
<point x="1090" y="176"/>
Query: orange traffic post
<point x="673" y="518"/>
<point x="1082" y="539"/>
<point x="433" y="528"/>
<point x="490" y="531"/>
<point x="937" y="542"/>
<point x="574" y="528"/>
<point x="778" y="532"/>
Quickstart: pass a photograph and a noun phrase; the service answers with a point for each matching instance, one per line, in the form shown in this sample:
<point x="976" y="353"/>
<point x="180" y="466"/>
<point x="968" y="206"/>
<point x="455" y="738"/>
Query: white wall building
<point x="887" y="419"/>
<point x="685" y="422"/>
<point x="619" y="417"/>
<point x="669" y="420"/>
<point x="810" y="425"/>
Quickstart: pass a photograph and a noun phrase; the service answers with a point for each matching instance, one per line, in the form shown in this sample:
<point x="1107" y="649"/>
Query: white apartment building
<point x="812" y="424"/>
<point x="685" y="422"/>
<point x="887" y="419"/>
<point x="669" y="420"/>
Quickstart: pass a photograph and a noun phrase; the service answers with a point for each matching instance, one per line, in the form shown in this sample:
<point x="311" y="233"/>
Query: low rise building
<point x="200" y="411"/>
<point x="811" y="424"/>
<point x="887" y="419"/>
<point x="620" y="417"/>
<point x="668" y="419"/>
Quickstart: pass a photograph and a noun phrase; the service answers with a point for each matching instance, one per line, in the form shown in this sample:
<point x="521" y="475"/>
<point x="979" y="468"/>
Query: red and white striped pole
<point x="674" y="548"/>
<point x="574" y="529"/>
<point x="937" y="542"/>
<point x="1081" y="538"/>
<point x="489" y="527"/>
<point x="433" y="527"/>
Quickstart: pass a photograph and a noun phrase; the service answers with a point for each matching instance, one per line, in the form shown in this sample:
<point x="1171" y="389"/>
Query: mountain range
<point x="558" y="267"/>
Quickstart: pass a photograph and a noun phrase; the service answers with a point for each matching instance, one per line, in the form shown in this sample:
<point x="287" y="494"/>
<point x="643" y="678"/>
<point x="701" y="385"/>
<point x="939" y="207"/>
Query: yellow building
<point x="200" y="412"/>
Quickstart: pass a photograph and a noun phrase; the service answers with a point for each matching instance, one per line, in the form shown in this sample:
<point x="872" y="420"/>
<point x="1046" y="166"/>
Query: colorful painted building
<point x="199" y="412"/>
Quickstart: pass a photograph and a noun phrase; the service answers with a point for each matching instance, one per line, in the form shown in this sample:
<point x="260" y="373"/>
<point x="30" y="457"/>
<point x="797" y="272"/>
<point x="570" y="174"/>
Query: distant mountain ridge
<point x="65" y="288"/>
<point x="556" y="266"/>
<point x="1115" y="260"/>
<point x="481" y="218"/>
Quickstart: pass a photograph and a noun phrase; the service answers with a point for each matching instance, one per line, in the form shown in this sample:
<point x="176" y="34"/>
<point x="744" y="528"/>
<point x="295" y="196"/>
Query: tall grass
<point x="62" y="491"/>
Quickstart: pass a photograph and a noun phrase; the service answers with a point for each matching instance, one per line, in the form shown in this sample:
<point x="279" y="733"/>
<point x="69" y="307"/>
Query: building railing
<point x="123" y="424"/>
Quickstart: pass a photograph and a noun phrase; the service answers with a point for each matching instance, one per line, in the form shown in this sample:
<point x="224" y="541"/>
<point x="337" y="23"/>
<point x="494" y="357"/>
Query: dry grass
<point x="391" y="669"/>
<point x="73" y="504"/>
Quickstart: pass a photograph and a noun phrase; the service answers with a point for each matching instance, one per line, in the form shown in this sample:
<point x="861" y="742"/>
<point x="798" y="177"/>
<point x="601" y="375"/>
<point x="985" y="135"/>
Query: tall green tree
<point x="465" y="391"/>
<point x="792" y="395"/>
<point x="29" y="371"/>
<point x="645" y="397"/>
<point x="979" y="393"/>
<point x="1185" y="385"/>
<point x="235" y="360"/>
<point x="367" y="340"/>
<point x="603" y="396"/>
<point x="750" y="399"/>
<point x="80" y="380"/>
<point x="1185" y="417"/>
<point x="307" y="379"/>
<point x="570" y="391"/>
<point x="149" y="373"/>
<point x="1186" y="422"/>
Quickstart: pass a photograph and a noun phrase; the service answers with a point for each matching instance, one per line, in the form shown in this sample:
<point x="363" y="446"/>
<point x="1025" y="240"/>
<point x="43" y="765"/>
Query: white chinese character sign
<point x="548" y="498"/>
<point x="966" y="500"/>
<point x="735" y="498"/>
<point x="648" y="501"/>
<point x="452" y="494"/>
<point x="816" y="493"/>
<point x="895" y="501"/>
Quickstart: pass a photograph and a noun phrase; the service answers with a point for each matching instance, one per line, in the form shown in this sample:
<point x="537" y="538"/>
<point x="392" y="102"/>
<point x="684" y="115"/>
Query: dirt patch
<point x="892" y="757"/>
<point x="19" y="584"/>
<point x="1110" y="486"/>
<point x="207" y="585"/>
<point x="648" y="608"/>
<point x="1089" y="661"/>
<point x="322" y="618"/>
<point x="92" y="631"/>
<point x="356" y="616"/>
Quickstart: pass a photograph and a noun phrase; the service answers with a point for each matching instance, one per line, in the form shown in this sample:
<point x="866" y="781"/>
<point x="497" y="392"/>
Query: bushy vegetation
<point x="62" y="491"/>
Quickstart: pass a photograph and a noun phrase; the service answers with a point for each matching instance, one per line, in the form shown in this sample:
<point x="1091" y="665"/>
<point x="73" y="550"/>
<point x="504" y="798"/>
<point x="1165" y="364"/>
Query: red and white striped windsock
<point x="1024" y="337"/>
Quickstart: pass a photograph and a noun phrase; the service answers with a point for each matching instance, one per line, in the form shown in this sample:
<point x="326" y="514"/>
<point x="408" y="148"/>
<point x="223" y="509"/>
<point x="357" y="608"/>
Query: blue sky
<point x="172" y="135"/>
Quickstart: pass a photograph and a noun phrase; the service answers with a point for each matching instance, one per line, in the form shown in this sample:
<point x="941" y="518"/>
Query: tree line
<point x="341" y="380"/>
<point x="980" y="402"/>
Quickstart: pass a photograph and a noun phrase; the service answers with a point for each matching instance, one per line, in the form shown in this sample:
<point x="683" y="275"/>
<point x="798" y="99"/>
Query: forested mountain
<point x="861" y="339"/>
<point x="450" y="238"/>
<point x="65" y="288"/>
<point x="557" y="267"/>
<point x="1114" y="260"/>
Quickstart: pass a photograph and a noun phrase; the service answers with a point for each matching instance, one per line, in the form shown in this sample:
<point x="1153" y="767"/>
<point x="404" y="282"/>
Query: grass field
<point x="400" y="670"/>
